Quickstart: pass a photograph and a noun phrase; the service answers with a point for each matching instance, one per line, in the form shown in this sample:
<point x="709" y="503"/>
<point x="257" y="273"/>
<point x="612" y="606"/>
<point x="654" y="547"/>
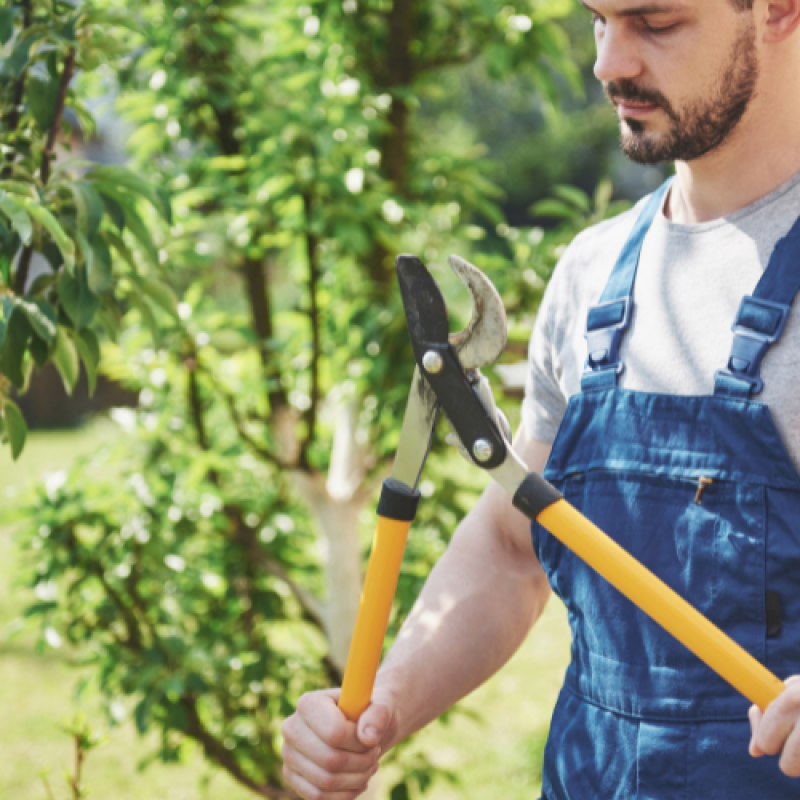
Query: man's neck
<point x="756" y="159"/>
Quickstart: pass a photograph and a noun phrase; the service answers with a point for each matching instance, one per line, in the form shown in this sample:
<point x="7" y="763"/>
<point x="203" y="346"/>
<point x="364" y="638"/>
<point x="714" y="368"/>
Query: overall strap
<point x="761" y="320"/>
<point x="610" y="318"/>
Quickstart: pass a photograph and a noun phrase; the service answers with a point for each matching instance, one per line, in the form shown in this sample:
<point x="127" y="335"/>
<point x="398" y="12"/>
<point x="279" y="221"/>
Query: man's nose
<point x="617" y="54"/>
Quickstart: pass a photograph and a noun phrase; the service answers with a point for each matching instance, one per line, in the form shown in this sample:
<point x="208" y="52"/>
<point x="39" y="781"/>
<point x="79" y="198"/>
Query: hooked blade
<point x="483" y="340"/>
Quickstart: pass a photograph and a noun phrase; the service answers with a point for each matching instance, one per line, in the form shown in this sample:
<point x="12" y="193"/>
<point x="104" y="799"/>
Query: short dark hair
<point x="742" y="5"/>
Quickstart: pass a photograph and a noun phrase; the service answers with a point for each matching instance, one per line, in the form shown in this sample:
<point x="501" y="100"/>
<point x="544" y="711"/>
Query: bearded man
<point x="680" y="440"/>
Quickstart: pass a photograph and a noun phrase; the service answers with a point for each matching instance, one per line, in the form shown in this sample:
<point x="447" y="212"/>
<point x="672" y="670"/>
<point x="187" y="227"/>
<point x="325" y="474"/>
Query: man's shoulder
<point x="596" y="243"/>
<point x="587" y="262"/>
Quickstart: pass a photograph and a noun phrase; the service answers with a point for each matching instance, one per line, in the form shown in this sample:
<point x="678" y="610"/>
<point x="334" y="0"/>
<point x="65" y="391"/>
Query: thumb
<point x="373" y="724"/>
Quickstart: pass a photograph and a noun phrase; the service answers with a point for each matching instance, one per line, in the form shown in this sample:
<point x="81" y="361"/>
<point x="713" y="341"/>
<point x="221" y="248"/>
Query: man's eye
<point x="659" y="28"/>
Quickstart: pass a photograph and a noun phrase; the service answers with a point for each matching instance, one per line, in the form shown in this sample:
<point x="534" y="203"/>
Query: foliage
<point x="209" y="569"/>
<point x="70" y="216"/>
<point x="84" y="740"/>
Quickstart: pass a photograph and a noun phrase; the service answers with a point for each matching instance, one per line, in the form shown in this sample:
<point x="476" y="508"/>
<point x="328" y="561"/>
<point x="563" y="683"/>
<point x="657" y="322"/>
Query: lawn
<point x="496" y="758"/>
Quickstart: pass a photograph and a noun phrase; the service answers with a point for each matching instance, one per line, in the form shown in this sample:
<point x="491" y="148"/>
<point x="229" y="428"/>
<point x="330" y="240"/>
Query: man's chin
<point x="643" y="147"/>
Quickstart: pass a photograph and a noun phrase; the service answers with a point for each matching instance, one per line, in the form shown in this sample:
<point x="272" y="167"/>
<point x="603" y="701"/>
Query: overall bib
<point x="702" y="491"/>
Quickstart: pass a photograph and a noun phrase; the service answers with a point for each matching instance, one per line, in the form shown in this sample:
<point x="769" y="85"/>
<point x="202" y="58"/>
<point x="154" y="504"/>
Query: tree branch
<point x="131" y="623"/>
<point x="14" y="115"/>
<point x="195" y="403"/>
<point x="310" y="605"/>
<point x="219" y="754"/>
<point x="259" y="449"/>
<point x="47" y="789"/>
<point x="312" y="254"/>
<point x="21" y="278"/>
<point x="261" y="315"/>
<point x="55" y="127"/>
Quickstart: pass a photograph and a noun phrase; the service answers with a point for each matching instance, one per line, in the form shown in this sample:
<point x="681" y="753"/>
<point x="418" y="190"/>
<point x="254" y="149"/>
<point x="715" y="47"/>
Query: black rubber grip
<point x="534" y="495"/>
<point x="397" y="502"/>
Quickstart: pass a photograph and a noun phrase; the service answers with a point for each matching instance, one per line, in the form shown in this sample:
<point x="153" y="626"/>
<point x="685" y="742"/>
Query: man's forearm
<point x="475" y="610"/>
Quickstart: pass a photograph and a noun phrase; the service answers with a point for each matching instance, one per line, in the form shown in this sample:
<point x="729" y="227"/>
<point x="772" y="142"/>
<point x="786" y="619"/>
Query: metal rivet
<point x="433" y="362"/>
<point x="482" y="450"/>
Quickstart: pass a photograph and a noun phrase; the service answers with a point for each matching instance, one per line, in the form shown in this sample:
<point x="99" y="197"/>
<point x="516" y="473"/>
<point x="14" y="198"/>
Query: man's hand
<point x="777" y="730"/>
<point x="327" y="757"/>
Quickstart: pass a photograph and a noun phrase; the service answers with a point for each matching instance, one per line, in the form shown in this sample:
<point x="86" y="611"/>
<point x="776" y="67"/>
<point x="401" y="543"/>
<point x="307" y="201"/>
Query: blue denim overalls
<point x="702" y="491"/>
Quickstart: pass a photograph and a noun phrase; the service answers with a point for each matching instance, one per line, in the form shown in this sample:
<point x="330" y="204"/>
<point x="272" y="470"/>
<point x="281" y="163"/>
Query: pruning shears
<point x="448" y="378"/>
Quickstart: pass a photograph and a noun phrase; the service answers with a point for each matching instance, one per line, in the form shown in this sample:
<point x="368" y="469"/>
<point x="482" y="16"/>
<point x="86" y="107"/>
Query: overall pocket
<point x="706" y="541"/>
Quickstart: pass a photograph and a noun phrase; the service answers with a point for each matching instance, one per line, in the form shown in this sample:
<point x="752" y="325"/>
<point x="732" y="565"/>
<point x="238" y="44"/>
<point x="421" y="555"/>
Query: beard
<point x="699" y="126"/>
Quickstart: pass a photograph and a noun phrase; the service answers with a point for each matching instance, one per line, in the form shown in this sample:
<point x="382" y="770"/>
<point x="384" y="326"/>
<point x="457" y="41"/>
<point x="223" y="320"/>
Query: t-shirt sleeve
<point x="545" y="403"/>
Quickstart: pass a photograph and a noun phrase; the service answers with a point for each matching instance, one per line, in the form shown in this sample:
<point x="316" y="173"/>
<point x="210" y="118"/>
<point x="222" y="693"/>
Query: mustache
<point x="617" y="91"/>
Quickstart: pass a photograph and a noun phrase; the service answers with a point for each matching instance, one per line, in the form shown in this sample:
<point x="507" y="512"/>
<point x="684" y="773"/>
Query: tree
<point x="73" y="216"/>
<point x="215" y="575"/>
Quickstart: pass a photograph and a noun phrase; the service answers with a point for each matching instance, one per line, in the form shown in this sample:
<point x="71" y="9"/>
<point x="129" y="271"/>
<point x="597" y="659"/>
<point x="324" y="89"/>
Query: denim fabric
<point x="702" y="491"/>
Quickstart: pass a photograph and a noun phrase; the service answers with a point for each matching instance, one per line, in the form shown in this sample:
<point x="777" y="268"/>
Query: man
<point x="666" y="437"/>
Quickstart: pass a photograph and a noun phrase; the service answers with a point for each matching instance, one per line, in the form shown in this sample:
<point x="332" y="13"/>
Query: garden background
<point x="204" y="362"/>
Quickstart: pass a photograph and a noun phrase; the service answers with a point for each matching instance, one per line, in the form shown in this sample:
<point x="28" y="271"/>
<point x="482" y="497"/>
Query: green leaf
<point x="100" y="267"/>
<point x="553" y="208"/>
<point x="18" y="59"/>
<point x="148" y="317"/>
<point x="117" y="178"/>
<point x="142" y="233"/>
<point x="142" y="715"/>
<point x="399" y="792"/>
<point x="115" y="211"/>
<point x="17" y="216"/>
<point x="159" y="293"/>
<point x="77" y="299"/>
<point x="227" y="163"/>
<point x="573" y="196"/>
<point x="42" y="318"/>
<point x="7" y="303"/>
<point x="12" y="355"/>
<point x="274" y="187"/>
<point x="15" y="426"/>
<point x="89" y="350"/>
<point x="122" y="249"/>
<point x="89" y="208"/>
<point x="49" y="222"/>
<point x="6" y="24"/>
<point x="53" y="255"/>
<point x="39" y="350"/>
<point x="603" y="194"/>
<point x="42" y="99"/>
<point x="65" y="357"/>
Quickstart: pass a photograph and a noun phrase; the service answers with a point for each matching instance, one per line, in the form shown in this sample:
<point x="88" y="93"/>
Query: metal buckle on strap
<point x="603" y="339"/>
<point x="751" y="345"/>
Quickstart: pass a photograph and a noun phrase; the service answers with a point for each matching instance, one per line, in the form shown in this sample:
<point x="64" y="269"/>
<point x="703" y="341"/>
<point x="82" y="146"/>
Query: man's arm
<point x="473" y="613"/>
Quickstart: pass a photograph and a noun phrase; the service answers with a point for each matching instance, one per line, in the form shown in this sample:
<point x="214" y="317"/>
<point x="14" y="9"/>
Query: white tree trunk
<point x="336" y="504"/>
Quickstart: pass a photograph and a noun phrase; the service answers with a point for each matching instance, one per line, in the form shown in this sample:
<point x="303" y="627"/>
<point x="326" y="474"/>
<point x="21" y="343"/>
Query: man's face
<point x="679" y="74"/>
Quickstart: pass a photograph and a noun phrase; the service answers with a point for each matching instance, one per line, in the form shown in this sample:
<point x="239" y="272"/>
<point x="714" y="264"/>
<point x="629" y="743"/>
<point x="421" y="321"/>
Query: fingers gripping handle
<point x="540" y="501"/>
<point x="396" y="511"/>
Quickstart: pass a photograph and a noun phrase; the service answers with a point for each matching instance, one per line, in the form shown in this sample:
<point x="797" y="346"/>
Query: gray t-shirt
<point x="689" y="284"/>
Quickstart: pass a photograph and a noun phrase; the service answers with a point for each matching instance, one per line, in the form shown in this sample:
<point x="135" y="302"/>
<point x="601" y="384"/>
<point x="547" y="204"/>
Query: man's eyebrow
<point x="641" y="10"/>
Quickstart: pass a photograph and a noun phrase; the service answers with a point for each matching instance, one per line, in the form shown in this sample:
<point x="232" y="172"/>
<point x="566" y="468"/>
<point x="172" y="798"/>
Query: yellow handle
<point x="373" y="616"/>
<point x="667" y="608"/>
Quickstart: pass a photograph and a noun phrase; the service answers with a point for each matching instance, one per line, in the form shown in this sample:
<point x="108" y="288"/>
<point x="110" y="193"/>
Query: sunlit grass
<point x="498" y="758"/>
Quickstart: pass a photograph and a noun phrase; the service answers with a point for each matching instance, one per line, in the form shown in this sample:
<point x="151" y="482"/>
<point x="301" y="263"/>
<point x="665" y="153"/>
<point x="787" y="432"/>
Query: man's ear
<point x="781" y="18"/>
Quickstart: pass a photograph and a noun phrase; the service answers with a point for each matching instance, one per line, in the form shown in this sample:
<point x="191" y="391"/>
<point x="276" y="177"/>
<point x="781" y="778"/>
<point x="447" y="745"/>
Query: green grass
<point x="498" y="758"/>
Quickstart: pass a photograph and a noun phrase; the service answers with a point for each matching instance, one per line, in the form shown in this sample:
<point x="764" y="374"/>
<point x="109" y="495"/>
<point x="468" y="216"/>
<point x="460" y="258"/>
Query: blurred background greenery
<point x="203" y="361"/>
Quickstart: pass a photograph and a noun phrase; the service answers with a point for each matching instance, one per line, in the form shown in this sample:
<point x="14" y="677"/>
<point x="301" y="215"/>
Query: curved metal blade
<point x="483" y="340"/>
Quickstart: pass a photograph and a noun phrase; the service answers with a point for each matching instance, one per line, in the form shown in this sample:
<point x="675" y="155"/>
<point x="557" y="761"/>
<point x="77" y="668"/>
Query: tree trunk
<point x="338" y="522"/>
